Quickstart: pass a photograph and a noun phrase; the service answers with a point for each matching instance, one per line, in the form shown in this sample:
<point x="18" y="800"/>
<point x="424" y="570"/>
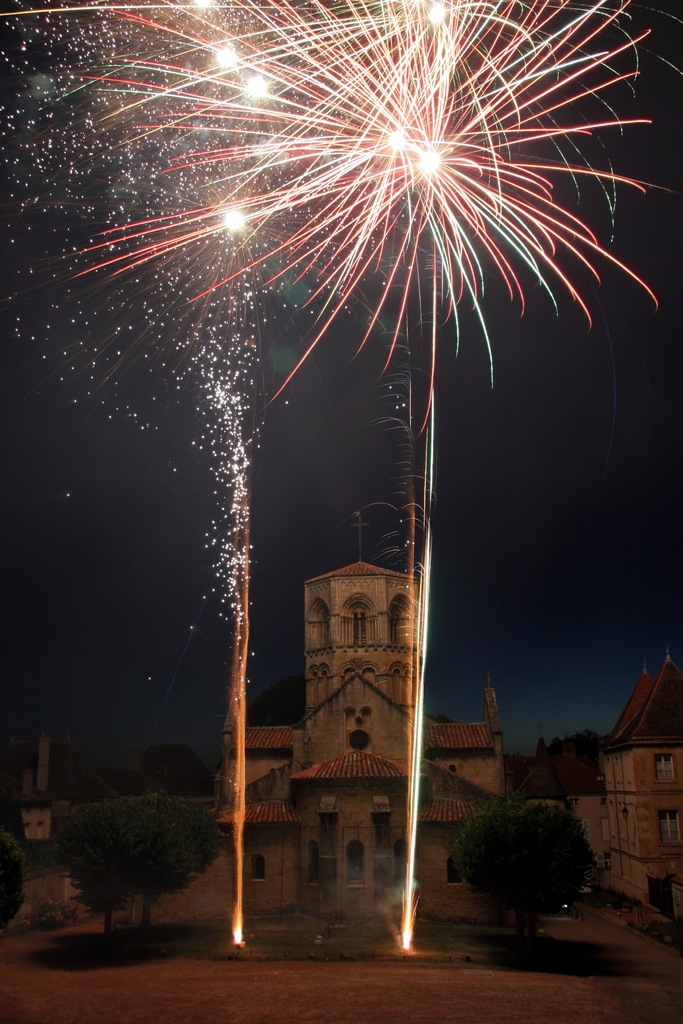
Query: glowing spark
<point x="233" y="220"/>
<point x="429" y="162"/>
<point x="397" y="141"/>
<point x="257" y="86"/>
<point x="227" y="57"/>
<point x="437" y="14"/>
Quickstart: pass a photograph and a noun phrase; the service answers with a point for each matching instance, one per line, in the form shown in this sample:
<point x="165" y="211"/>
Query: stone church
<point x="325" y="830"/>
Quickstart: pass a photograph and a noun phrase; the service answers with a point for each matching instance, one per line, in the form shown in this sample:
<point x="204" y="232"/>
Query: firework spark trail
<point x="410" y="149"/>
<point x="410" y="895"/>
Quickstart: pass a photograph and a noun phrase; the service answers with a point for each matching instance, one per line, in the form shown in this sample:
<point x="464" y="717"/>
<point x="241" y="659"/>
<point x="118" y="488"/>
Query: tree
<point x="130" y="846"/>
<point x="11" y="877"/>
<point x="283" y="703"/>
<point x="531" y="857"/>
<point x="586" y="744"/>
<point x="172" y="841"/>
<point x="94" y="844"/>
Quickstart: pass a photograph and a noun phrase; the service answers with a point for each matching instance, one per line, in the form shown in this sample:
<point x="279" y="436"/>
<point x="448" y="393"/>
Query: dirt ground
<point x="46" y="979"/>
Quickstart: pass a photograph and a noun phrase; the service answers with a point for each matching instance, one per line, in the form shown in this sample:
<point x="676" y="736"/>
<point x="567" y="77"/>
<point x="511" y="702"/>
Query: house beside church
<point x="325" y="829"/>
<point x="643" y="767"/>
<point x="571" y="781"/>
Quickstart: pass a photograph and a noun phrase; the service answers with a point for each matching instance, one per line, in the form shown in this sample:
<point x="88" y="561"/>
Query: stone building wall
<point x="440" y="899"/>
<point x="481" y="767"/>
<point x="209" y="895"/>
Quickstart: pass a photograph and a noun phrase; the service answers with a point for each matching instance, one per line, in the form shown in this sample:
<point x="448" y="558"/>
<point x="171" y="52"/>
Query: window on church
<point x="327" y="823"/>
<point x="400" y="862"/>
<point x="381" y="822"/>
<point x="399" y="622"/>
<point x="359" y="629"/>
<point x="258" y="867"/>
<point x="319" y="625"/>
<point x="313" y="862"/>
<point x="452" y="874"/>
<point x="354" y="862"/>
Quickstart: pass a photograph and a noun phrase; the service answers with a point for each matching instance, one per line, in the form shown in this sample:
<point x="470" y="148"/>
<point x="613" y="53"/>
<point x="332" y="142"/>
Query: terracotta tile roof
<point x="356" y="764"/>
<point x="634" y="706"/>
<point x="534" y="776"/>
<point x="553" y="776"/>
<point x="654" y="710"/>
<point x="361" y="569"/>
<point x="269" y="737"/>
<point x="271" y="812"/>
<point x="457" y="735"/>
<point x="577" y="774"/>
<point x="447" y="811"/>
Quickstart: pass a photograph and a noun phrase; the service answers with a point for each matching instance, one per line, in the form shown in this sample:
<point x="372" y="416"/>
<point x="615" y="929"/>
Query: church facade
<point x="325" y="829"/>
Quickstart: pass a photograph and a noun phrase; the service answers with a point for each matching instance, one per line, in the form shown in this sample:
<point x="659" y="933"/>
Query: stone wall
<point x="443" y="900"/>
<point x="209" y="895"/>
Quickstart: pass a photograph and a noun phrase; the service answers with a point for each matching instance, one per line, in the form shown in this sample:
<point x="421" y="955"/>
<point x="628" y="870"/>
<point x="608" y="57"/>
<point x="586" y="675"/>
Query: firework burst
<point x="320" y="152"/>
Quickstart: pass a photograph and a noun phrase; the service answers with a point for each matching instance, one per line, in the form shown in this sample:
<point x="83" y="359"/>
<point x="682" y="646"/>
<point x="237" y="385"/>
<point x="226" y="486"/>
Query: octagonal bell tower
<point x="359" y="619"/>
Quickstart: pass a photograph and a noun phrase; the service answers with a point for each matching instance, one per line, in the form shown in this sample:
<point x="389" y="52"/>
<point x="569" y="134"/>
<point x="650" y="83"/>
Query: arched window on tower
<point x="318" y="625"/>
<point x="399" y="622"/>
<point x="360" y="628"/>
<point x="354" y="862"/>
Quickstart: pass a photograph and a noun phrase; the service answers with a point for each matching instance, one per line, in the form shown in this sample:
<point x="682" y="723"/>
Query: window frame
<point x="663" y="761"/>
<point x="667" y="819"/>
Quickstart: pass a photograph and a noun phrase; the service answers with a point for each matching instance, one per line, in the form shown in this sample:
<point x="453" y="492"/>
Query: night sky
<point x="558" y="548"/>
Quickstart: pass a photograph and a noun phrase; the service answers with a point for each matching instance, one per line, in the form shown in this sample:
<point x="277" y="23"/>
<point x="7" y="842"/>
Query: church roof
<point x="654" y="710"/>
<point x="270" y="812"/>
<point x="447" y="811"/>
<point x="269" y="737"/>
<point x="360" y="569"/>
<point x="356" y="764"/>
<point x="457" y="735"/>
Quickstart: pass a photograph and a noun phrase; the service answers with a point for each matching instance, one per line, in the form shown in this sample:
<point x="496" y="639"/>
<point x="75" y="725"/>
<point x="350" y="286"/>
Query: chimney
<point x="43" y="762"/>
<point x="26" y="782"/>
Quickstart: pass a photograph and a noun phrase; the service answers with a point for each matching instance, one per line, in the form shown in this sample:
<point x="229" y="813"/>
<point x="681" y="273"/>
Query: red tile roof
<point x="654" y="710"/>
<point x="357" y="764"/>
<point x="269" y="737"/>
<point x="446" y="811"/>
<point x="271" y="812"/>
<point x="576" y="775"/>
<point x="457" y="735"/>
<point x="361" y="569"/>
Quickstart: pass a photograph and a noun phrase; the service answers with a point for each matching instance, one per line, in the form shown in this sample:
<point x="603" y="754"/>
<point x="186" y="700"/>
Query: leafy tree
<point x="131" y="846"/>
<point x="586" y="743"/>
<point x="11" y="877"/>
<point x="283" y="703"/>
<point x="172" y="841"/>
<point x="531" y="857"/>
<point x="94" y="844"/>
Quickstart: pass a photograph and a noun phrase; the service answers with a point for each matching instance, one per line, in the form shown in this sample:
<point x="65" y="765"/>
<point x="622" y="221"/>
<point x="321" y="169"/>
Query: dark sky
<point x="558" y="548"/>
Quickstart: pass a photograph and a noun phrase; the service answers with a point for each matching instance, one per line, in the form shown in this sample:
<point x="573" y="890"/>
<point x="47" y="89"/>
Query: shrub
<point x="52" y="914"/>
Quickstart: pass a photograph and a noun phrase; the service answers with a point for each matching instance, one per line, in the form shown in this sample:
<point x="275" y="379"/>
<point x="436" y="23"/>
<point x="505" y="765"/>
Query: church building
<point x="325" y="830"/>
